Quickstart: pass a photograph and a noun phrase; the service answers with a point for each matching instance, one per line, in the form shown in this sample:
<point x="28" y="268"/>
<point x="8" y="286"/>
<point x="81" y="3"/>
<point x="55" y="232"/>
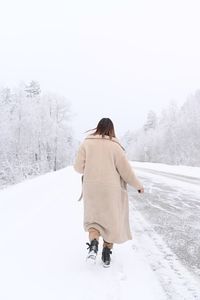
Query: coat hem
<point x="105" y="237"/>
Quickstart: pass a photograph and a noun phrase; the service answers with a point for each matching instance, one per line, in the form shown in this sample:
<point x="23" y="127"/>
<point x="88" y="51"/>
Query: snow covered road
<point x="169" y="217"/>
<point x="42" y="243"/>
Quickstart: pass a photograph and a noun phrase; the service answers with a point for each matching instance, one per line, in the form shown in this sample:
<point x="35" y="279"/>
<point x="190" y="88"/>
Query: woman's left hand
<point x="141" y="190"/>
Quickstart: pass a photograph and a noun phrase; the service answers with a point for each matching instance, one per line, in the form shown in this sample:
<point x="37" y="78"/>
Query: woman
<point x="106" y="171"/>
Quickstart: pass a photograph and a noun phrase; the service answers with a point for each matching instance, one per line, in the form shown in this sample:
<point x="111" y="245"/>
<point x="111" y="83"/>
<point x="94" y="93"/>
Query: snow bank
<point x="188" y="171"/>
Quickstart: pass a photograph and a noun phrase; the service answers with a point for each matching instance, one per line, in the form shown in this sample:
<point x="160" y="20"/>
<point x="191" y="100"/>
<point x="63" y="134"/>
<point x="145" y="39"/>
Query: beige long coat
<point x="106" y="172"/>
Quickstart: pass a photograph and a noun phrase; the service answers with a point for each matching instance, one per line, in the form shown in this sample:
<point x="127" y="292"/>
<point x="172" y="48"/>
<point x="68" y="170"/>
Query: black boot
<point x="93" y="249"/>
<point x="106" y="256"/>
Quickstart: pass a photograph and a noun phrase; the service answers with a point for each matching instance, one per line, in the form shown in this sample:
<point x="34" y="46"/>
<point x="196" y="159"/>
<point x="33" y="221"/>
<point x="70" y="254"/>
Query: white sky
<point x="116" y="59"/>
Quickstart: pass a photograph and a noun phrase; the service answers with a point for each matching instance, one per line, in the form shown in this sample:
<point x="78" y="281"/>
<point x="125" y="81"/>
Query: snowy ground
<point x="190" y="173"/>
<point x="42" y="244"/>
<point x="169" y="217"/>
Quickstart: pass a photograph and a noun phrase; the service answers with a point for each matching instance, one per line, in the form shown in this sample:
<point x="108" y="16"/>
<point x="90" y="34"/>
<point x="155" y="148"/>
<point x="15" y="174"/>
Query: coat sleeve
<point x="126" y="171"/>
<point x="79" y="164"/>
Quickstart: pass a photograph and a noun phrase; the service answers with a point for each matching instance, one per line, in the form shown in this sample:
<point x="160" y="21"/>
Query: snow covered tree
<point x="171" y="138"/>
<point x="32" y="89"/>
<point x="151" y="121"/>
<point x="35" y="133"/>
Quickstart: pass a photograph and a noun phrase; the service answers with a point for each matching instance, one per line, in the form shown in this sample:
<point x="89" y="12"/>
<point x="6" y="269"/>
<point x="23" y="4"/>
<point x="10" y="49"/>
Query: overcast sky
<point x="117" y="59"/>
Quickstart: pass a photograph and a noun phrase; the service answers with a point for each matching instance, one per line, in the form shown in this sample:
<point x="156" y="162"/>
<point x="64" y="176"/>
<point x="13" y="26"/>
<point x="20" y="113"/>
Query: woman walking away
<point x="106" y="172"/>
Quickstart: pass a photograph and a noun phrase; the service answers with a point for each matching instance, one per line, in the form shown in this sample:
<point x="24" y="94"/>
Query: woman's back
<point x="100" y="163"/>
<point x="106" y="170"/>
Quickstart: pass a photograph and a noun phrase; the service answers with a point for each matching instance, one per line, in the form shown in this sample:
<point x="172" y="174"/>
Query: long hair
<point x="105" y="127"/>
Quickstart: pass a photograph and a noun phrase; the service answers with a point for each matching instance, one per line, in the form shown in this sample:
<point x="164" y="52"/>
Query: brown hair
<point x="105" y="127"/>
